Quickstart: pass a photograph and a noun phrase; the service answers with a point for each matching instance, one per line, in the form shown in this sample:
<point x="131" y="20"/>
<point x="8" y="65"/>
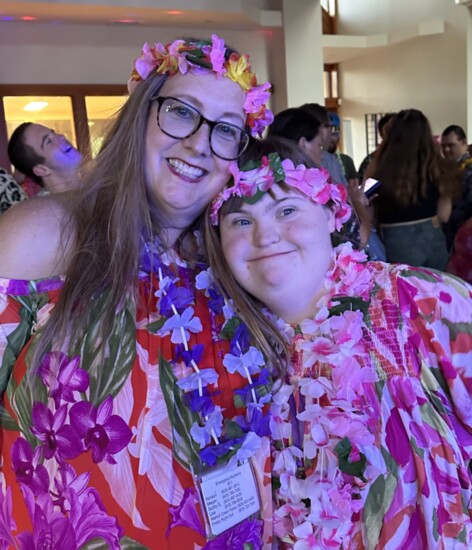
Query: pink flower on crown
<point x="260" y="120"/>
<point x="257" y="97"/>
<point x="217" y="54"/>
<point x="147" y="62"/>
<point x="250" y="182"/>
<point x="217" y="203"/>
<point x="313" y="182"/>
<point x="203" y="58"/>
<point x="170" y="59"/>
<point x="259" y="116"/>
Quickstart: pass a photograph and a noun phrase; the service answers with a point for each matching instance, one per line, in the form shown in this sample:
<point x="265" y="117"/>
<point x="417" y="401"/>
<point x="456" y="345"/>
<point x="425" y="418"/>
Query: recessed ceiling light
<point x="35" y="106"/>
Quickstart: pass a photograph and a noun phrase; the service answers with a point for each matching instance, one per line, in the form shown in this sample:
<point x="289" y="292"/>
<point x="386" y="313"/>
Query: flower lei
<point x="322" y="457"/>
<point x="202" y="57"/>
<point x="218" y="440"/>
<point x="255" y="178"/>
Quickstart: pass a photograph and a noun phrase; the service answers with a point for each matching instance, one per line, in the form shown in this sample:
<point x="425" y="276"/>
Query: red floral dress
<point x="87" y="454"/>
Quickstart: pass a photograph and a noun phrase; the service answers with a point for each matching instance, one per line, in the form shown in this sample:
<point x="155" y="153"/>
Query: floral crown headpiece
<point x="257" y="177"/>
<point x="203" y="57"/>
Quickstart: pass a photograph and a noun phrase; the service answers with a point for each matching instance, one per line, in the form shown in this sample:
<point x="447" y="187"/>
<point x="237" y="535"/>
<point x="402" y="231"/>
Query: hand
<point x="356" y="194"/>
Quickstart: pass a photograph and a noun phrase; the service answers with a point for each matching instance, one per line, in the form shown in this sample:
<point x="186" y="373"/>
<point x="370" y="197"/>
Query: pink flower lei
<point x="203" y="57"/>
<point x="321" y="443"/>
<point x="255" y="178"/>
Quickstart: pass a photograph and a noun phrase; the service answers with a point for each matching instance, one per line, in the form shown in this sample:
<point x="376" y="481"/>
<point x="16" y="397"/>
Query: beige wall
<point x="428" y="73"/>
<point x="88" y="54"/>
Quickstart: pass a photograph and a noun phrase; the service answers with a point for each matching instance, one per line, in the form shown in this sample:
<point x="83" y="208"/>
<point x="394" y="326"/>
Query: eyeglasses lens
<point x="179" y="120"/>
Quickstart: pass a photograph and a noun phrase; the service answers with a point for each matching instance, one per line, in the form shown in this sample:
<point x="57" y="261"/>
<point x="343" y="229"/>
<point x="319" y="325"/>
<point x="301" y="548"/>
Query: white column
<point x="303" y="37"/>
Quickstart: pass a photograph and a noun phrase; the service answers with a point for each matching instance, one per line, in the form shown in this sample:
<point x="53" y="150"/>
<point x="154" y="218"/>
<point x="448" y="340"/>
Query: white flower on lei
<point x="213" y="426"/>
<point x="198" y="380"/>
<point x="180" y="325"/>
<point x="251" y="362"/>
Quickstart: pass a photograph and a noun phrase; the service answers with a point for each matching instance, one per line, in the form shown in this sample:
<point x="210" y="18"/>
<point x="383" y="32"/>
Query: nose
<point x="60" y="139"/>
<point x="199" y="141"/>
<point x="265" y="233"/>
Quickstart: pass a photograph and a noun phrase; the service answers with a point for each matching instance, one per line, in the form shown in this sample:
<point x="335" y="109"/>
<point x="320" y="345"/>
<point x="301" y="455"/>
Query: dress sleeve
<point x="440" y="308"/>
<point x="24" y="305"/>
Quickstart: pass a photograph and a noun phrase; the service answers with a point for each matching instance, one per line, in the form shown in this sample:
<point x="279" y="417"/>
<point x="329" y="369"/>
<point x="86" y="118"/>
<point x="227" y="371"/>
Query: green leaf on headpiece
<point x="251" y="165"/>
<point x="255" y="198"/>
<point x="275" y="163"/>
<point x="199" y="60"/>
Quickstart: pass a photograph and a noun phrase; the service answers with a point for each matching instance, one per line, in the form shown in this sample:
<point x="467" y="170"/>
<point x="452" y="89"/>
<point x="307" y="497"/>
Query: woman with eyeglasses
<point x="124" y="421"/>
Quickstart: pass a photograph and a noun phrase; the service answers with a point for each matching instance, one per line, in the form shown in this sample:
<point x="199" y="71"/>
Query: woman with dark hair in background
<point x="415" y="196"/>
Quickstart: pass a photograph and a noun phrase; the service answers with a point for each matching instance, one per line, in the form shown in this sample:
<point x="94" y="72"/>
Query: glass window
<point x="101" y="111"/>
<point x="51" y="111"/>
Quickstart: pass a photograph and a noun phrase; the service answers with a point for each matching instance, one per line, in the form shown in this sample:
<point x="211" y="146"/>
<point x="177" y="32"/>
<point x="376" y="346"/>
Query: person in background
<point x="359" y="229"/>
<point x="347" y="164"/>
<point x="416" y="192"/>
<point x="10" y="191"/>
<point x="298" y="125"/>
<point x="304" y="129"/>
<point x="45" y="157"/>
<point x="329" y="161"/>
<point x="454" y="148"/>
<point x="382" y="128"/>
<point x="371" y="422"/>
<point x="122" y="398"/>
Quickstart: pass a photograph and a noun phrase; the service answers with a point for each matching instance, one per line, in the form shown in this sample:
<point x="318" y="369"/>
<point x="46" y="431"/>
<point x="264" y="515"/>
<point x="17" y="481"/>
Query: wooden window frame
<point x="77" y="93"/>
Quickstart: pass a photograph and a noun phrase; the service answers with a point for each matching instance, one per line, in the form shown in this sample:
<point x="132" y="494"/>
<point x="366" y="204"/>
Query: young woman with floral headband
<point x="371" y="424"/>
<point x="123" y="420"/>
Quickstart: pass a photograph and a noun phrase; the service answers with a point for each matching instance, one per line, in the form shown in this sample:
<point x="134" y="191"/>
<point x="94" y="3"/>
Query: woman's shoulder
<point x="35" y="238"/>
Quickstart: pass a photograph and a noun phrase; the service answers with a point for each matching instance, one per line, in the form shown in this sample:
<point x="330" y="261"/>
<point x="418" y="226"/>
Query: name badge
<point x="229" y="495"/>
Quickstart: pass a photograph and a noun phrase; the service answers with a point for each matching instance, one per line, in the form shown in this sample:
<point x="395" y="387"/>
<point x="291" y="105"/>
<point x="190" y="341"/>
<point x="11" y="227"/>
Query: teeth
<point x="185" y="169"/>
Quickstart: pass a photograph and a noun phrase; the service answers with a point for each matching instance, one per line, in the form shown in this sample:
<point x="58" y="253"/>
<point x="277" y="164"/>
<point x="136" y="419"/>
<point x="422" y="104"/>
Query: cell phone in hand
<point x="371" y="186"/>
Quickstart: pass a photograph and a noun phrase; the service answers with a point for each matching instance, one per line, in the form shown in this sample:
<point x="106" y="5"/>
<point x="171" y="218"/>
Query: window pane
<point x="51" y="111"/>
<point x="101" y="111"/>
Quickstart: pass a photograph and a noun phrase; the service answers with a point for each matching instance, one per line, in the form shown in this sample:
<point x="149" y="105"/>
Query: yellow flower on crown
<point x="202" y="57"/>
<point x="238" y="69"/>
<point x="168" y="65"/>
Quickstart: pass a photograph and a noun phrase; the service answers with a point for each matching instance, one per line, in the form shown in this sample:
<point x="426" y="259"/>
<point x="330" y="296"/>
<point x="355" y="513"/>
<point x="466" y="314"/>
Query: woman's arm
<point x="444" y="209"/>
<point x="360" y="203"/>
<point x="32" y="240"/>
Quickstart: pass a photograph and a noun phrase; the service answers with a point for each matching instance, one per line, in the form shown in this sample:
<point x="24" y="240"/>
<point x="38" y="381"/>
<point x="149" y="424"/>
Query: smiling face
<point x="279" y="250"/>
<point x="60" y="156"/>
<point x="183" y="174"/>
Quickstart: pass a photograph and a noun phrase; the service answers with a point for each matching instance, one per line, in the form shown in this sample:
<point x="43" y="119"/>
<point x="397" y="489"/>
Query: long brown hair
<point x="408" y="163"/>
<point x="114" y="214"/>
<point x="265" y="333"/>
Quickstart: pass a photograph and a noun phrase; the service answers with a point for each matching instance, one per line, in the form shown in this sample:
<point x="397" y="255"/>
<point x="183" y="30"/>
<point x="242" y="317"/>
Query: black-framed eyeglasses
<point x="179" y="120"/>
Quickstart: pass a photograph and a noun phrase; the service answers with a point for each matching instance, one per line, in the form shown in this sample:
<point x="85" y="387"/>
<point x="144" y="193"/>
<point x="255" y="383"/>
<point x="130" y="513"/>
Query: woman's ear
<point x="302" y="143"/>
